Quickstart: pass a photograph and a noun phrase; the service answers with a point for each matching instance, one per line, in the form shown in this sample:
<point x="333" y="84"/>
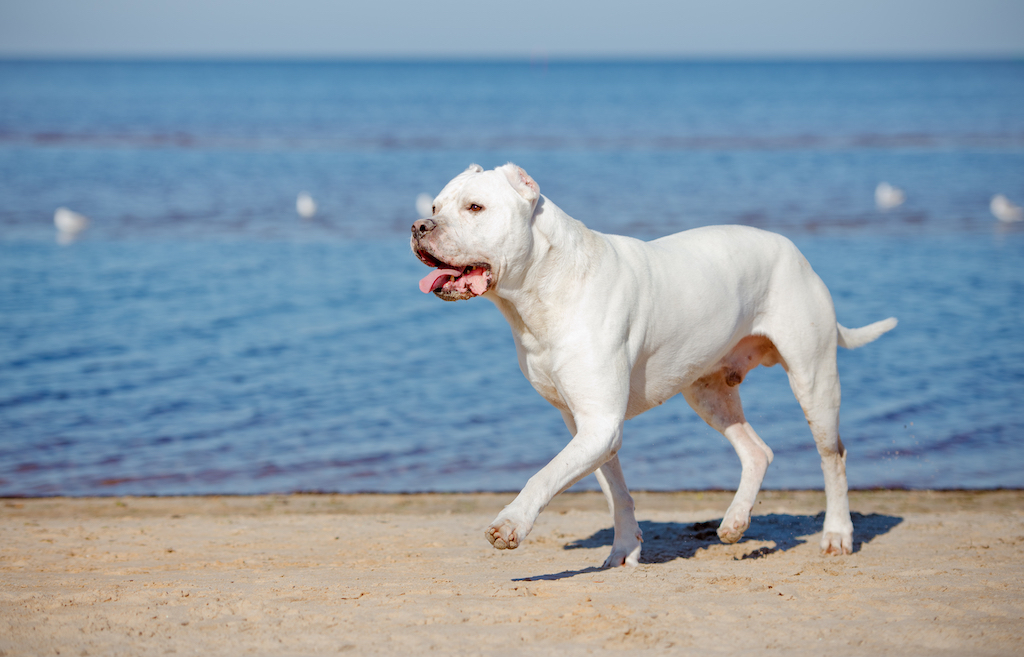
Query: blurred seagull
<point x="1005" y="210"/>
<point x="305" y="205"/>
<point x="888" y="197"/>
<point x="69" y="225"/>
<point x="425" y="205"/>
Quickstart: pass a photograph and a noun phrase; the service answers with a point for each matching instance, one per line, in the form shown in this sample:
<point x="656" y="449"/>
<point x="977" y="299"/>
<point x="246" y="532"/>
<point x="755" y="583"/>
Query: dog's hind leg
<point x="818" y="394"/>
<point x="716" y="399"/>
<point x="810" y="361"/>
<point x="628" y="537"/>
<point x="804" y="331"/>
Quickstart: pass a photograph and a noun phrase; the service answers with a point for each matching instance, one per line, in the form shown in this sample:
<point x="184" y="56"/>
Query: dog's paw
<point x="626" y="552"/>
<point x="837" y="543"/>
<point x="504" y="534"/>
<point x="733" y="526"/>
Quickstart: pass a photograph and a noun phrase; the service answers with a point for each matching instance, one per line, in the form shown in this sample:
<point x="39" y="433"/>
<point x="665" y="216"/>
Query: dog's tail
<point x="858" y="337"/>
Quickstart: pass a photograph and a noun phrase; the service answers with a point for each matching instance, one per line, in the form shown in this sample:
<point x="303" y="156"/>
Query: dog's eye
<point x="473" y="207"/>
<point x="433" y="209"/>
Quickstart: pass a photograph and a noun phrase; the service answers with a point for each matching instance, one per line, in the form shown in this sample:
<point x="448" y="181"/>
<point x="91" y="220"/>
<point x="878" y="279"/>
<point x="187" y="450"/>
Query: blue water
<point x="201" y="338"/>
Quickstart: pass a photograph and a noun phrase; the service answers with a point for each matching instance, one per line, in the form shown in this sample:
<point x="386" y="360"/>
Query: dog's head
<point x="480" y="227"/>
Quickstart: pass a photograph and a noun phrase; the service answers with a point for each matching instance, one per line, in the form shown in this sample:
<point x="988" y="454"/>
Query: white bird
<point x="1005" y="210"/>
<point x="69" y="225"/>
<point x="425" y="205"/>
<point x="888" y="197"/>
<point x="305" y="205"/>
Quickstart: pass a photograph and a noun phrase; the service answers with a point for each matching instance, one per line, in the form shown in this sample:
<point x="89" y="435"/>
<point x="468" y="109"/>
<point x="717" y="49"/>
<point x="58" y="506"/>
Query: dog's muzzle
<point x="447" y="281"/>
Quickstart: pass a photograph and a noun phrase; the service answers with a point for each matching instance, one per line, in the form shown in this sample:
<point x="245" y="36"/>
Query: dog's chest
<point x="537" y="367"/>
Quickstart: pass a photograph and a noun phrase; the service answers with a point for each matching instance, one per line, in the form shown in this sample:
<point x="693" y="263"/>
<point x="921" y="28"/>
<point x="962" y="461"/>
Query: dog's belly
<point x="651" y="385"/>
<point x="641" y="403"/>
<point x="657" y="382"/>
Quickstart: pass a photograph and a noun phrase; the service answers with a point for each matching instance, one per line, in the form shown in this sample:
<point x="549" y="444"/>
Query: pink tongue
<point x="436" y="279"/>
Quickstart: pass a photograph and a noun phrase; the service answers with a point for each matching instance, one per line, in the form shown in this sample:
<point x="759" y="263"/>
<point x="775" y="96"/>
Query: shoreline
<point x="864" y="500"/>
<point x="934" y="573"/>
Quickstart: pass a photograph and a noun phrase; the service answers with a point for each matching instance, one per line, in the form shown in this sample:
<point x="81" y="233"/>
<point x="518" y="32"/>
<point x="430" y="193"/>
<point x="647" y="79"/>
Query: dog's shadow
<point x="668" y="541"/>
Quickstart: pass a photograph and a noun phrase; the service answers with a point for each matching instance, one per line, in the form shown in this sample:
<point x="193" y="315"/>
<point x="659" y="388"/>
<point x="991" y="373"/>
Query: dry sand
<point x="933" y="574"/>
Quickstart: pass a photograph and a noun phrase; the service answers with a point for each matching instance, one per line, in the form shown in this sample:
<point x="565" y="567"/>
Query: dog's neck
<point x="563" y="253"/>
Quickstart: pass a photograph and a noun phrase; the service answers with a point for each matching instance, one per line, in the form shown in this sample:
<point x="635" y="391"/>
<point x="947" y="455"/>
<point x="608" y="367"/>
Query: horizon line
<point x="538" y="58"/>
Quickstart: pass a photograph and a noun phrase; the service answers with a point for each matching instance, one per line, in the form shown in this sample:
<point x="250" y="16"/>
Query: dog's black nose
<point x="423" y="226"/>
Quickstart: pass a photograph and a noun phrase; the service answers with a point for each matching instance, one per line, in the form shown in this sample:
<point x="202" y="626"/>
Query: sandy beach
<point x="933" y="573"/>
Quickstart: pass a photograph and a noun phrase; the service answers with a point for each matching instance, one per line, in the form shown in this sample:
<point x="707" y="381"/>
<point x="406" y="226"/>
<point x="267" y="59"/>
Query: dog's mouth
<point x="451" y="282"/>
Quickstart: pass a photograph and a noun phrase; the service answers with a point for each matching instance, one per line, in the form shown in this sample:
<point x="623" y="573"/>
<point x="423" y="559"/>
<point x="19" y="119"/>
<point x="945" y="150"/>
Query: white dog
<point x="607" y="327"/>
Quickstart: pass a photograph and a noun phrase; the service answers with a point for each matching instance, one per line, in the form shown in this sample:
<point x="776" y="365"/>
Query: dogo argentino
<point x="607" y="327"/>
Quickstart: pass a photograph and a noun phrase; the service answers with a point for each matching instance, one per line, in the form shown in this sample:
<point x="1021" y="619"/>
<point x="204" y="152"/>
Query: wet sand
<point x="934" y="573"/>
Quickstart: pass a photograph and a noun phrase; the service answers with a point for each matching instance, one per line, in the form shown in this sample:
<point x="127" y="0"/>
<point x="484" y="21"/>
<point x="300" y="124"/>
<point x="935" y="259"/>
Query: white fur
<point x="607" y="327"/>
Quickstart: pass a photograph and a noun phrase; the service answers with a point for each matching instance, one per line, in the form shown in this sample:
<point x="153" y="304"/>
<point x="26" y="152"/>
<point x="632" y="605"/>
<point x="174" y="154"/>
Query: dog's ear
<point x="522" y="182"/>
<point x="474" y="168"/>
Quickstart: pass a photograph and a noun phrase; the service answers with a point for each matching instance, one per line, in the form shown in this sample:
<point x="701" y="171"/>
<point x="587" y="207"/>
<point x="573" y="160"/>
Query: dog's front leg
<point x="628" y="537"/>
<point x="597" y="440"/>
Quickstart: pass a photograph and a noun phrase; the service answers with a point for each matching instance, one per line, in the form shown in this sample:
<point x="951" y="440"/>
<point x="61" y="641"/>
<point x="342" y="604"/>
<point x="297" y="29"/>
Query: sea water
<point x="201" y="337"/>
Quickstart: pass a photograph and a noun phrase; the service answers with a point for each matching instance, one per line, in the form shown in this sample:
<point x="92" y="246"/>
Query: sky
<point x="520" y="29"/>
